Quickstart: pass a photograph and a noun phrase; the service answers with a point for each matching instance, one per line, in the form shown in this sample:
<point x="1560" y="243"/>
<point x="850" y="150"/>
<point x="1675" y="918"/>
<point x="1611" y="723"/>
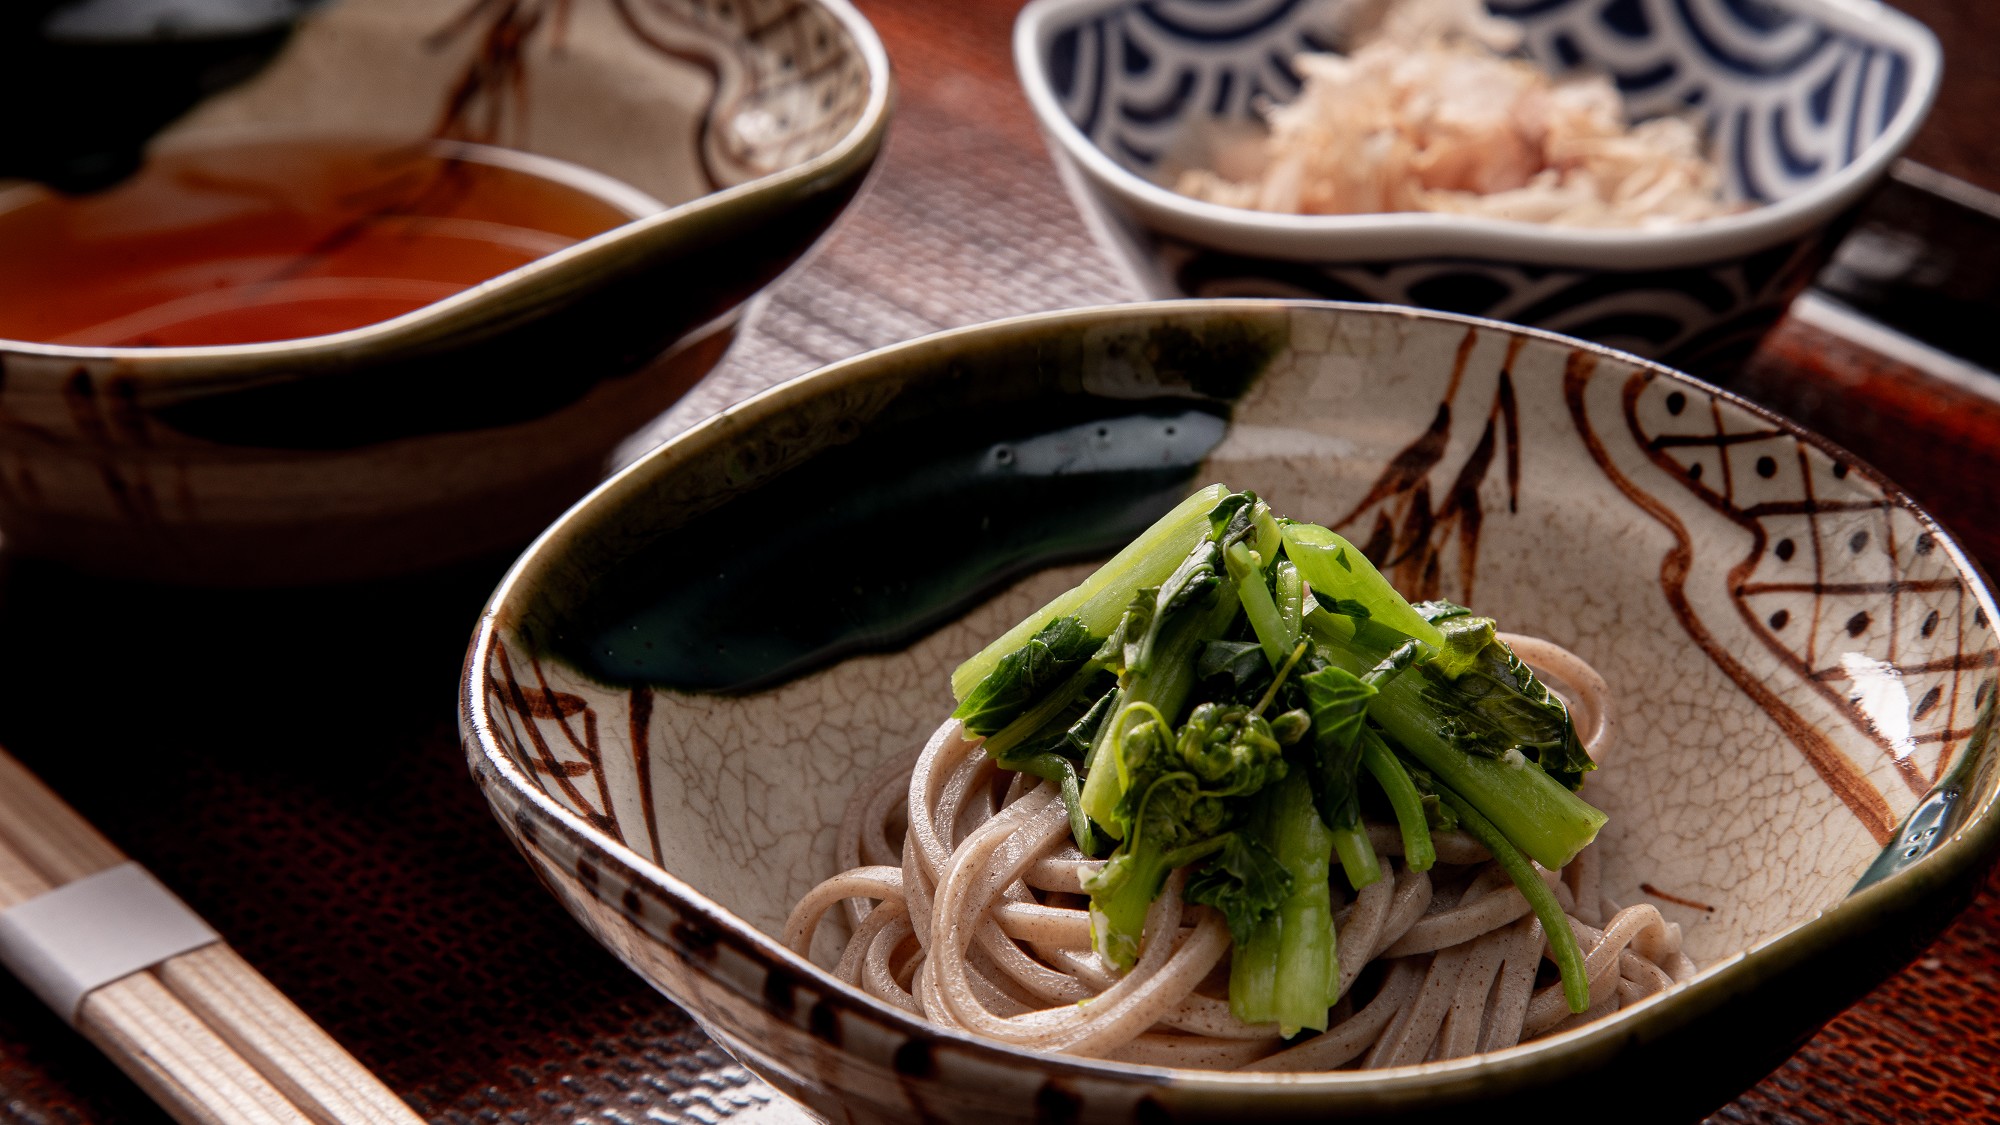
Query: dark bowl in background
<point x="466" y="425"/>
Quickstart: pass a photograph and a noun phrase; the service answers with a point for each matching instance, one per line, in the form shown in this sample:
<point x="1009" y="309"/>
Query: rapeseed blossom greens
<point x="1227" y="693"/>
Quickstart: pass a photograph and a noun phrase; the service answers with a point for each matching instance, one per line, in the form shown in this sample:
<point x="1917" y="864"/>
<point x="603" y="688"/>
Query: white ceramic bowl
<point x="671" y="697"/>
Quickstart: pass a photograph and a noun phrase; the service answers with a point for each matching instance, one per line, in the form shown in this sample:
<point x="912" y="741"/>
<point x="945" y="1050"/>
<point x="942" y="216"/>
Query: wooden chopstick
<point x="203" y="1033"/>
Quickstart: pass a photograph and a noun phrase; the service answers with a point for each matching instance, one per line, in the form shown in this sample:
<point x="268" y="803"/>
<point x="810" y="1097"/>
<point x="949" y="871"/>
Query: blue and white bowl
<point x="1807" y="103"/>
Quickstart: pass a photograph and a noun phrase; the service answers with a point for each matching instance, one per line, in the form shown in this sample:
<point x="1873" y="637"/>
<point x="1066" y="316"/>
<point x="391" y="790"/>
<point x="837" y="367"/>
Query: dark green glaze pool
<point x="972" y="475"/>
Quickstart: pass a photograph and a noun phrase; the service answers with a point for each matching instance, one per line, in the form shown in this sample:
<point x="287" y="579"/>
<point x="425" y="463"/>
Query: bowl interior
<point x="687" y="664"/>
<point x="676" y="99"/>
<point x="1791" y="93"/>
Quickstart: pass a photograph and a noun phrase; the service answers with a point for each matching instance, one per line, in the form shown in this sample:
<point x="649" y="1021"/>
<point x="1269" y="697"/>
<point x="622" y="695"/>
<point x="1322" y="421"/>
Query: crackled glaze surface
<point x="1799" y="657"/>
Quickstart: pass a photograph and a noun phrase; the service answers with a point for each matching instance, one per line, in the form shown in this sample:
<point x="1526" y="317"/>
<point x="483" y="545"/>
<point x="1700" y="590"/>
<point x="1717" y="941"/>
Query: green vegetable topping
<point x="1027" y="674"/>
<point x="1229" y="694"/>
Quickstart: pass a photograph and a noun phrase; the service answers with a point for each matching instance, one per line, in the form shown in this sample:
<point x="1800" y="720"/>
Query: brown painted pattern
<point x="1739" y="584"/>
<point x="584" y="743"/>
<point x="639" y="718"/>
<point x="793" y="53"/>
<point x="1833" y="768"/>
<point x="493" y="82"/>
<point x="512" y="697"/>
<point x="1410" y="535"/>
<point x="1750" y="517"/>
<point x="1681" y="900"/>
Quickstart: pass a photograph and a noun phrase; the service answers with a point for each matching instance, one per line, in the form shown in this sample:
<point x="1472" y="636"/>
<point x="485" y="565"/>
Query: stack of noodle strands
<point x="962" y="898"/>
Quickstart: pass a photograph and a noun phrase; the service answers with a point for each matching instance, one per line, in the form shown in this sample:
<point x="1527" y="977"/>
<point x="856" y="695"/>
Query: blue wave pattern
<point x="1704" y="319"/>
<point x="1788" y="101"/>
<point x="1134" y="77"/>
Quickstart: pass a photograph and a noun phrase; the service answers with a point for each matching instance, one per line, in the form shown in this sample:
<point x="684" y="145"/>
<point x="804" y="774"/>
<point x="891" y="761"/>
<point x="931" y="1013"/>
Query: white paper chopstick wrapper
<point x="67" y="943"/>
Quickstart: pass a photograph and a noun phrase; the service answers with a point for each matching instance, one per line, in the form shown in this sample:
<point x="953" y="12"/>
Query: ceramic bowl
<point x="464" y="426"/>
<point x="672" y="695"/>
<point x="1807" y="102"/>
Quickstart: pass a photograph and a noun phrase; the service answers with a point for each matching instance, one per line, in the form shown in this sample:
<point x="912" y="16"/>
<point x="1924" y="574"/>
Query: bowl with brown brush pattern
<point x="724" y="137"/>
<point x="672" y="697"/>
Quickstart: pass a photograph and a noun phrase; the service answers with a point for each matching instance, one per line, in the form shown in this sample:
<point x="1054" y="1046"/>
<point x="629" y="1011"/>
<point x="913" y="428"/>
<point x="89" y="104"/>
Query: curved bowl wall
<point x="464" y="426"/>
<point x="668" y="711"/>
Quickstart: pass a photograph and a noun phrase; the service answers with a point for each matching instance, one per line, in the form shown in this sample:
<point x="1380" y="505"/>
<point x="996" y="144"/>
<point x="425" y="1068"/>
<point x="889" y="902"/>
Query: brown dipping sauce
<point x="277" y="240"/>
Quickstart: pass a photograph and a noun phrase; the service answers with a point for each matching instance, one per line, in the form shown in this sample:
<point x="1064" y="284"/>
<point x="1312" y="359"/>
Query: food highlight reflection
<point x="1879" y="694"/>
<point x="284" y="239"/>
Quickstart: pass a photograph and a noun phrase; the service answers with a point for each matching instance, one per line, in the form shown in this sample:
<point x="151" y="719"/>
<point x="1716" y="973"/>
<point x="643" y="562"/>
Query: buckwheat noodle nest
<point x="963" y="900"/>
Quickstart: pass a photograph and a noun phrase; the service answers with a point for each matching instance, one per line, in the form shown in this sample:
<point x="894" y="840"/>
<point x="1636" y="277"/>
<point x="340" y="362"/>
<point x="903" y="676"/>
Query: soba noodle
<point x="975" y="918"/>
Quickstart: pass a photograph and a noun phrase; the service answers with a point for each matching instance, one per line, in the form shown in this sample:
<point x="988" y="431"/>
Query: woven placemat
<point x="289" y="763"/>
